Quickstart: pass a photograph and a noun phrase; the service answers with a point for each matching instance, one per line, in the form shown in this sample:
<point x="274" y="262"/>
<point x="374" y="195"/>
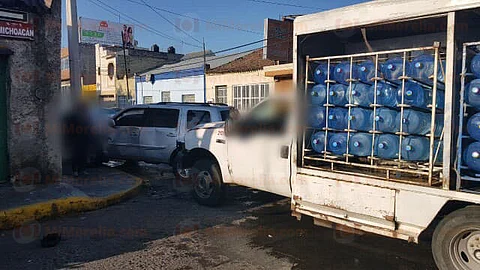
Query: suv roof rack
<point x="192" y="103"/>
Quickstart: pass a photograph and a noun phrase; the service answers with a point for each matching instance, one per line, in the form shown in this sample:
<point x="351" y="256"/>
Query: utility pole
<point x="204" y="73"/>
<point x="126" y="68"/>
<point x="73" y="50"/>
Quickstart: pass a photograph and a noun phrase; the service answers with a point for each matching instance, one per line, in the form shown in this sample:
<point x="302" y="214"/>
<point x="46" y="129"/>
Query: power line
<point x="200" y="20"/>
<point x="284" y="4"/>
<point x="167" y="20"/>
<point x="117" y="12"/>
<point x="222" y="57"/>
<point x="288" y="36"/>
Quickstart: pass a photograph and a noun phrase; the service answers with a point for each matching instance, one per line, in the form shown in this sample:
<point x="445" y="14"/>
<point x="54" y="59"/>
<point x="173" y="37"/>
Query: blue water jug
<point x="318" y="142"/>
<point x="337" y="144"/>
<point x="415" y="148"/>
<point x="338" y="94"/>
<point x="361" y="119"/>
<point x="360" y="145"/>
<point x="385" y="120"/>
<point x="414" y="95"/>
<point x="320" y="74"/>
<point x="414" y="122"/>
<point x="387" y="146"/>
<point x="318" y="94"/>
<point x="475" y="66"/>
<point x="440" y="98"/>
<point x="392" y="69"/>
<point x="337" y="118"/>
<point x="361" y="95"/>
<point x="471" y="156"/>
<point x="386" y="94"/>
<point x="472" y="93"/>
<point x="366" y="72"/>
<point x="439" y="121"/>
<point x="316" y="117"/>
<point x="341" y="72"/>
<point x="473" y="126"/>
<point x="422" y="68"/>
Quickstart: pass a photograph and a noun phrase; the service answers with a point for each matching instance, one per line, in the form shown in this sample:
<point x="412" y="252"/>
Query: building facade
<point x="87" y="73"/>
<point x="29" y="90"/>
<point x="180" y="82"/>
<point x="241" y="83"/>
<point x="282" y="75"/>
<point x="115" y="83"/>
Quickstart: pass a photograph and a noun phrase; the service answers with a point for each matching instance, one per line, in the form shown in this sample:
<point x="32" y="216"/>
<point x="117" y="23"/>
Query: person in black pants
<point x="78" y="135"/>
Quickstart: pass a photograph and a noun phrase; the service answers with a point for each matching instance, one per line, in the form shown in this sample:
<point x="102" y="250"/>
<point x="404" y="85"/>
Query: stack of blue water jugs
<point x="471" y="154"/>
<point x="387" y="94"/>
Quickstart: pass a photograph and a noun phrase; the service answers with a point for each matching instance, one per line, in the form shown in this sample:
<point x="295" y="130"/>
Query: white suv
<point x="155" y="133"/>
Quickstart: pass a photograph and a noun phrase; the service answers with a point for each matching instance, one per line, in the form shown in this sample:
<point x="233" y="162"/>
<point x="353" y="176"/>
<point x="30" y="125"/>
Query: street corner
<point x="48" y="207"/>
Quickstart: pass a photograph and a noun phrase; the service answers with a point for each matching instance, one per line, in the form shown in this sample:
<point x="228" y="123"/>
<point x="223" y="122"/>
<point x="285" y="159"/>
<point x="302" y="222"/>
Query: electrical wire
<point x="146" y="27"/>
<point x="171" y="23"/>
<point x="284" y="4"/>
<point x="117" y="12"/>
<point x="200" y="20"/>
<point x="219" y="57"/>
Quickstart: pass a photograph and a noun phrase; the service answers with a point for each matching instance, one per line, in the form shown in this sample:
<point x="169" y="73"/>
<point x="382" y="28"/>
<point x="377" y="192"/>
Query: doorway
<point x="3" y="119"/>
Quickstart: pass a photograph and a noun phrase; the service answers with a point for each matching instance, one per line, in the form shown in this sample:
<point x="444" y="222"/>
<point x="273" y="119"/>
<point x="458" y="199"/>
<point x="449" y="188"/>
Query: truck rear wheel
<point x="208" y="188"/>
<point x="456" y="240"/>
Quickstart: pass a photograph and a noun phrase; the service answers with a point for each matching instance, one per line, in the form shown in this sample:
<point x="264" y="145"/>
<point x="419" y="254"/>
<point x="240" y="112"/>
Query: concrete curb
<point x="16" y="217"/>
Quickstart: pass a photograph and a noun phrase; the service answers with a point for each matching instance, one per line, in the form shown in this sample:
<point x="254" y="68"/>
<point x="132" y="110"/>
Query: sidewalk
<point x="102" y="186"/>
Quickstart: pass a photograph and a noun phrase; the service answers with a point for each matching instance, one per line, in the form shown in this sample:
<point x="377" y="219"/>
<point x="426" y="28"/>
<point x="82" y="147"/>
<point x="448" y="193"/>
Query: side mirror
<point x="111" y="123"/>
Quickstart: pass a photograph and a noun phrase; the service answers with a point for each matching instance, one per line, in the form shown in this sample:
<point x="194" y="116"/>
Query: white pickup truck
<point x="380" y="176"/>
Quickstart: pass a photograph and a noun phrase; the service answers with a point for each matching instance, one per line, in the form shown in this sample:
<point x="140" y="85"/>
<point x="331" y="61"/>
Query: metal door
<point x="3" y="119"/>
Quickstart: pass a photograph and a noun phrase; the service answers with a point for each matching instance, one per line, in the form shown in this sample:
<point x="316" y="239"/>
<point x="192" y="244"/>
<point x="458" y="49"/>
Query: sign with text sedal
<point x="17" y="30"/>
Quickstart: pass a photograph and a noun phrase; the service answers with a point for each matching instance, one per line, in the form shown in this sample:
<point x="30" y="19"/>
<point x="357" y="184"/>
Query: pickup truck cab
<point x="253" y="150"/>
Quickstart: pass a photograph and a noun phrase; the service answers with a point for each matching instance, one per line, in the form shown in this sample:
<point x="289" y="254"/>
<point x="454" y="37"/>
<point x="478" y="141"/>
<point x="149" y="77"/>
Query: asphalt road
<point x="163" y="228"/>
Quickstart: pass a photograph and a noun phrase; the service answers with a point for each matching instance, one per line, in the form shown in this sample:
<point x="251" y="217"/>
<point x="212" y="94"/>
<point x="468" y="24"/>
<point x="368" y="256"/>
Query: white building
<point x="180" y="82"/>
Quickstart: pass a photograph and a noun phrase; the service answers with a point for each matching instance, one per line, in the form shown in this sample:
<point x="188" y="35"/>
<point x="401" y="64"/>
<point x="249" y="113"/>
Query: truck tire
<point x="208" y="188"/>
<point x="456" y="240"/>
<point x="176" y="163"/>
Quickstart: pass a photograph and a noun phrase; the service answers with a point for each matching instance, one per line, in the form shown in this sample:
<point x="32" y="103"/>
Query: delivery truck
<point x="381" y="133"/>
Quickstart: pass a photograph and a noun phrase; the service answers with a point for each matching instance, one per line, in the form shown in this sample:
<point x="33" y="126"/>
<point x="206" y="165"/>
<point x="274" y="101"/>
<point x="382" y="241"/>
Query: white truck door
<point x="158" y="139"/>
<point x="123" y="141"/>
<point x="259" y="149"/>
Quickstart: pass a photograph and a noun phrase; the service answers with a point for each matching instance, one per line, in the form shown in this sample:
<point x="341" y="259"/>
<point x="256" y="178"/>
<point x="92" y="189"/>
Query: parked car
<point x="155" y="133"/>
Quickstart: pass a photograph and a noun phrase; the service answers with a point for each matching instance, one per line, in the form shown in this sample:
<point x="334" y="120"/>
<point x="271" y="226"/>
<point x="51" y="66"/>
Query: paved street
<point x="164" y="228"/>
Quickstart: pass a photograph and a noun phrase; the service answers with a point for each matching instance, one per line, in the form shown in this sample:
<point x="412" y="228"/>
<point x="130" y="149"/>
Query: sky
<point x="177" y="27"/>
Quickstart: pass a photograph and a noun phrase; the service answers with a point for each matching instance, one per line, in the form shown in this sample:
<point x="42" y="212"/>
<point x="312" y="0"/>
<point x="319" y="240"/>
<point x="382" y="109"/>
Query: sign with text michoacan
<point x="104" y="32"/>
<point x="17" y="30"/>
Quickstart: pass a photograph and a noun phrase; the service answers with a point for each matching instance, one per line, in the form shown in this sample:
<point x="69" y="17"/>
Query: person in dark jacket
<point x="78" y="129"/>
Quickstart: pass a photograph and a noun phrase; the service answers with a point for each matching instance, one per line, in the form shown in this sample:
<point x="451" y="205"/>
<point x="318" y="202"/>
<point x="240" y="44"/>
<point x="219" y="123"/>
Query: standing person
<point x="78" y="132"/>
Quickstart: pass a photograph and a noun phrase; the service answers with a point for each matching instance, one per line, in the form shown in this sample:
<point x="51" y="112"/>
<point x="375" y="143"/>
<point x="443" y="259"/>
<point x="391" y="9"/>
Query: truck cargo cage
<point x="343" y="155"/>
<point x="467" y="168"/>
